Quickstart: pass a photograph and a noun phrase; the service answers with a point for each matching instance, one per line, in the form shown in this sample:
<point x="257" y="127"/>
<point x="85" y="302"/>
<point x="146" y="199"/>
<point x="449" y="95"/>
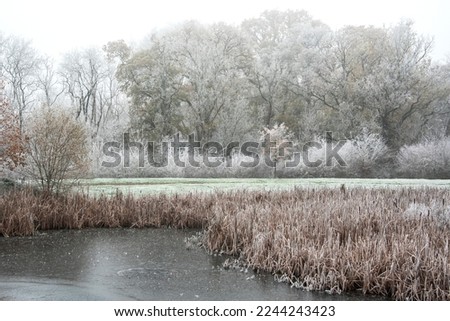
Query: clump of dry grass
<point x="390" y="242"/>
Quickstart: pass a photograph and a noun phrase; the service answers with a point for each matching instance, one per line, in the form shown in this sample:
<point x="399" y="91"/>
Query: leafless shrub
<point x="57" y="149"/>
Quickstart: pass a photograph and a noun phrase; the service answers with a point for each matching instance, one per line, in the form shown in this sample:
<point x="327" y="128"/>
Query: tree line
<point x="226" y="83"/>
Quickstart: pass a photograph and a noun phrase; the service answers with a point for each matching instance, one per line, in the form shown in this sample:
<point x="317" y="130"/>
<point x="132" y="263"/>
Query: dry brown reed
<point x="341" y="240"/>
<point x="26" y="211"/>
<point x="374" y="240"/>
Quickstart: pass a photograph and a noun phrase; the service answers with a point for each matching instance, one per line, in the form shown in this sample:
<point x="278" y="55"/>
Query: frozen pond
<point x="128" y="264"/>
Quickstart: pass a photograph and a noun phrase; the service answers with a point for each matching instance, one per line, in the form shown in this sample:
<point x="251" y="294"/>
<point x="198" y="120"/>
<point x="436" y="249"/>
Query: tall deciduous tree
<point x="274" y="38"/>
<point x="403" y="89"/>
<point x="49" y="83"/>
<point x="153" y="84"/>
<point x="89" y="81"/>
<point x="20" y="69"/>
<point x="376" y="78"/>
<point x="213" y="61"/>
<point x="189" y="79"/>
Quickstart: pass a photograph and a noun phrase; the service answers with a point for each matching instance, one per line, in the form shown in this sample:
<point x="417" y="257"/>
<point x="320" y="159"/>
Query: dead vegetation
<point x="26" y="211"/>
<point x="389" y="242"/>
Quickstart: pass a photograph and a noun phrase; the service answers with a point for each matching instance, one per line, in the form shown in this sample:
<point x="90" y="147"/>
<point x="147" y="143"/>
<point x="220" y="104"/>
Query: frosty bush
<point x="365" y="155"/>
<point x="428" y="159"/>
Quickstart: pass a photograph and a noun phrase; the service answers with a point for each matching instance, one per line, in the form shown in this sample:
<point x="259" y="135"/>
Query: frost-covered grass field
<point x="143" y="186"/>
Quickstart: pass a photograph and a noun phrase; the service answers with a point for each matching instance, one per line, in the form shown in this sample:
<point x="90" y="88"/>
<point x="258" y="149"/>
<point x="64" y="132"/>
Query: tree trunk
<point x="447" y="132"/>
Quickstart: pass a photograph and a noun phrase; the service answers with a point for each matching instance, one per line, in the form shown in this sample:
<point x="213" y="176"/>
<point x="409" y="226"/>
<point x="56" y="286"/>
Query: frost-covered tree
<point x="153" y="83"/>
<point x="188" y="79"/>
<point x="20" y="66"/>
<point x="90" y="83"/>
<point x="274" y="52"/>
<point x="333" y="74"/>
<point x="403" y="89"/>
<point x="439" y="124"/>
<point x="213" y="61"/>
<point x="49" y="83"/>
<point x="376" y="78"/>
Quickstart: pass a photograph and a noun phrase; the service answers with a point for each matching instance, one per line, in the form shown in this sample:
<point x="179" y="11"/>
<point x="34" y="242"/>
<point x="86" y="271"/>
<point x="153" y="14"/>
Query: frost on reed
<point x="340" y="240"/>
<point x="390" y="242"/>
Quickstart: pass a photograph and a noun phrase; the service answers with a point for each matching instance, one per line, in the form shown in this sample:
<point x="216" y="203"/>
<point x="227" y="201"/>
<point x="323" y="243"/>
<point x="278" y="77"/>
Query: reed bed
<point x="26" y="211"/>
<point x="389" y="242"/>
<point x="337" y="240"/>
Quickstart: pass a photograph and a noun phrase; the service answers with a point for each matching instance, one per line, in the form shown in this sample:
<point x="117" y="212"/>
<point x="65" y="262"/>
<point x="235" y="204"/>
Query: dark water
<point x="129" y="264"/>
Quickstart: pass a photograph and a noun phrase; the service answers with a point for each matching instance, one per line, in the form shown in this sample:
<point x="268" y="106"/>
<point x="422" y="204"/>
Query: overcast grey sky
<point x="56" y="26"/>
